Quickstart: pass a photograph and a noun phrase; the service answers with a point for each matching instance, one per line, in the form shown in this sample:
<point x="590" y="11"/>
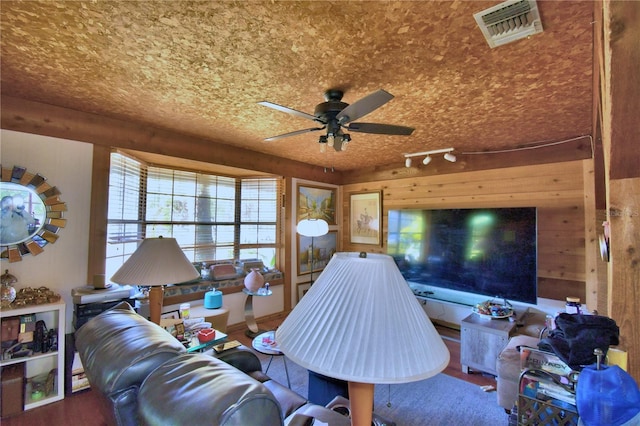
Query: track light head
<point x="450" y="157"/>
<point x="407" y="162"/>
<point x="426" y="160"/>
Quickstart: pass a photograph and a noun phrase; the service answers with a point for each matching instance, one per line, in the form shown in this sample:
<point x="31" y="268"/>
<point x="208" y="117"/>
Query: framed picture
<point x="316" y="203"/>
<point x="174" y="326"/>
<point x="303" y="288"/>
<point x="323" y="248"/>
<point x="365" y="218"/>
<point x="171" y="315"/>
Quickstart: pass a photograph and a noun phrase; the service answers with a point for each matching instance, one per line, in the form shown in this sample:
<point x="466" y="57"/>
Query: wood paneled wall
<point x="558" y="190"/>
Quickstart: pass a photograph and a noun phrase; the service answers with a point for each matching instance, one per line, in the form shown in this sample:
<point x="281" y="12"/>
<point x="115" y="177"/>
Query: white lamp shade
<point x="313" y="227"/>
<point x="156" y="262"/>
<point x="361" y="322"/>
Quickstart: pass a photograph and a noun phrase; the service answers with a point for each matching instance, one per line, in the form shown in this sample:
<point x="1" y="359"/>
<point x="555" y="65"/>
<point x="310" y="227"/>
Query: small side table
<point x="249" y="318"/>
<point x="271" y="351"/>
<point x="481" y="340"/>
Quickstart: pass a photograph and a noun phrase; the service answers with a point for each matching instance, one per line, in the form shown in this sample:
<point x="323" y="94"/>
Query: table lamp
<point x="360" y="322"/>
<point x="156" y="263"/>
<point x="312" y="228"/>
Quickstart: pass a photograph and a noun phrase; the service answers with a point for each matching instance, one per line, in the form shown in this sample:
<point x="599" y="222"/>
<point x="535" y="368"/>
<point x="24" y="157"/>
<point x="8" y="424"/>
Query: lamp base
<point x="341" y="405"/>
<point x="252" y="334"/>
<point x="361" y="398"/>
<point x="156" y="295"/>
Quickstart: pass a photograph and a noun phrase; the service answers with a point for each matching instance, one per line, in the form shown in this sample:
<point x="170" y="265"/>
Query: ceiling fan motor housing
<point x="327" y="111"/>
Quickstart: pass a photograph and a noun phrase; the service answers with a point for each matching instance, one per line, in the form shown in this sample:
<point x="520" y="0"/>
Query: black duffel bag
<point x="576" y="336"/>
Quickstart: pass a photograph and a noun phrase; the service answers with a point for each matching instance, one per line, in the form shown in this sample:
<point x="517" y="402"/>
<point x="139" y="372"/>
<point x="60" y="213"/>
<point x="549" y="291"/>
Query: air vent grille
<point x="509" y="21"/>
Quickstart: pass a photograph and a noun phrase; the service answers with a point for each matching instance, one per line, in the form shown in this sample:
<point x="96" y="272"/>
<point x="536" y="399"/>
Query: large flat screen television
<point x="490" y="252"/>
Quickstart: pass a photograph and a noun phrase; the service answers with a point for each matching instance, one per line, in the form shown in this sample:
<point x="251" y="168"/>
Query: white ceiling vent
<point x="509" y="21"/>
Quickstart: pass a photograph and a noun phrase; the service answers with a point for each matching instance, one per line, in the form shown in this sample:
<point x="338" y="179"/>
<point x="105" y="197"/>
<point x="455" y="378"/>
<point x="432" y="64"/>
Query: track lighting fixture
<point x="427" y="159"/>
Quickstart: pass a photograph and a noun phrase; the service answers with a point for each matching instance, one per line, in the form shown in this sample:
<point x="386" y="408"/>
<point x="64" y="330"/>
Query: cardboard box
<point x="12" y="390"/>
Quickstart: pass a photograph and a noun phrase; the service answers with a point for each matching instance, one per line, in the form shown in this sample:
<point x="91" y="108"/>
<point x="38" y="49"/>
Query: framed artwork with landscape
<point x="365" y="218"/>
<point x="315" y="202"/>
<point x="323" y="248"/>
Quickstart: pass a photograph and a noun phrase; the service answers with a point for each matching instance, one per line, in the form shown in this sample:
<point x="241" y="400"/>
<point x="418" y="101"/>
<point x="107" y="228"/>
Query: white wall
<point x="67" y="165"/>
<point x="262" y="306"/>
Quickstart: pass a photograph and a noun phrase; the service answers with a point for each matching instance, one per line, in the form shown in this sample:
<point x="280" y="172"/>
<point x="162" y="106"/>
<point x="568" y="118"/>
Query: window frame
<point x="141" y="223"/>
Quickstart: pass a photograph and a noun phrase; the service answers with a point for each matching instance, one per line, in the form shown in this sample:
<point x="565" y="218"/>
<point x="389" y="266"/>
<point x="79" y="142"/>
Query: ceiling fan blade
<point x="364" y="106"/>
<point x="297" y="132"/>
<point x="289" y="110"/>
<point x="380" y="129"/>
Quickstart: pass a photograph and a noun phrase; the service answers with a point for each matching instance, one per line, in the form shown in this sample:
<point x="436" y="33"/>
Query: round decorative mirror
<point x="32" y="213"/>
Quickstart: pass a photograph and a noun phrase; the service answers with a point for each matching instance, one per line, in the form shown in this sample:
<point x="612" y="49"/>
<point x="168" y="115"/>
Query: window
<point x="213" y="218"/>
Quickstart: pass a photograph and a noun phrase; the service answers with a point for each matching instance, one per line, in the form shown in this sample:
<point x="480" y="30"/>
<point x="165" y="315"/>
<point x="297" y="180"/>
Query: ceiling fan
<point x="335" y="115"/>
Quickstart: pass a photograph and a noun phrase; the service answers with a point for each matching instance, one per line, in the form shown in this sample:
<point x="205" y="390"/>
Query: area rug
<point x="440" y="400"/>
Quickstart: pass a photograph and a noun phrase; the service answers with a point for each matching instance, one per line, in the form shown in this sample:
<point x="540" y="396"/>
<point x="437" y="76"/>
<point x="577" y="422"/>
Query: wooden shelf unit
<point x="38" y="364"/>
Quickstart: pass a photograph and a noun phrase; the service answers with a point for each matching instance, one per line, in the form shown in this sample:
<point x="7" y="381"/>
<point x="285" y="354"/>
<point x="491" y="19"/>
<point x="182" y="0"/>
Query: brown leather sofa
<point x="145" y="377"/>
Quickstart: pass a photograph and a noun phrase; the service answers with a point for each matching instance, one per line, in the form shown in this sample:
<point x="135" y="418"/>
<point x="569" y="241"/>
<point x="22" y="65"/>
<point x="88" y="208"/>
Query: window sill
<point x="180" y="293"/>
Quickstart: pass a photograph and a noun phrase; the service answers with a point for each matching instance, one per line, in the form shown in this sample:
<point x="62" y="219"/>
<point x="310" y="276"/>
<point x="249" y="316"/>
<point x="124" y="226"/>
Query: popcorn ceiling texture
<point x="199" y="68"/>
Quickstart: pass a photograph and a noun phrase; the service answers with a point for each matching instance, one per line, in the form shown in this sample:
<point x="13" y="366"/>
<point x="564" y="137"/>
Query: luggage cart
<point x="546" y="390"/>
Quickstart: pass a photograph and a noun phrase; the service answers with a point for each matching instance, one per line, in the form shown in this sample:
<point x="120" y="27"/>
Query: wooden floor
<point x="83" y="409"/>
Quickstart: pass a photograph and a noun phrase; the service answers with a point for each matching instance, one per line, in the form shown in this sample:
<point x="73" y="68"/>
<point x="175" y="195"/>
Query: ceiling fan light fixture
<point x="330" y="139"/>
<point x="323" y="143"/>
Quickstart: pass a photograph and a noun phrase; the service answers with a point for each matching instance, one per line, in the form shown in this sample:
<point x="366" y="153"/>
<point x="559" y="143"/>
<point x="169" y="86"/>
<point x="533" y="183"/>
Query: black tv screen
<point x="490" y="252"/>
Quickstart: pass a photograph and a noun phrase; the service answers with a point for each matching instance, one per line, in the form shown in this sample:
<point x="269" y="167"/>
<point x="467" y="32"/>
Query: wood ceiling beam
<point x="48" y="120"/>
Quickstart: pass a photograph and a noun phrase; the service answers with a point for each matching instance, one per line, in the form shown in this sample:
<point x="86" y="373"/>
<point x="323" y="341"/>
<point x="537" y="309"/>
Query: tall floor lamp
<point x="312" y="228"/>
<point x="360" y="322"/>
<point x="156" y="263"/>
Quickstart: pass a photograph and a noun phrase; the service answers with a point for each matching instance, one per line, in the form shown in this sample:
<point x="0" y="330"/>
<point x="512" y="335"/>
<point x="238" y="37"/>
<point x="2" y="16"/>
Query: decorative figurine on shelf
<point x="8" y="292"/>
<point x="254" y="280"/>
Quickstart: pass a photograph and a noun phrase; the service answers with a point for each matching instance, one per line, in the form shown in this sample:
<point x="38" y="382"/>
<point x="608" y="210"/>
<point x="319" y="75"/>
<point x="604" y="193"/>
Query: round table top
<point x="265" y="344"/>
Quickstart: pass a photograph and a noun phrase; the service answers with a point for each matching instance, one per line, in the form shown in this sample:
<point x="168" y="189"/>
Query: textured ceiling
<point x="200" y="68"/>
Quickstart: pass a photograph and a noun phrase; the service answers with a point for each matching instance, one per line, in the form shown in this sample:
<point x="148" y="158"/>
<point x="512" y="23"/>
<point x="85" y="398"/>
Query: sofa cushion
<point x="119" y="348"/>
<point x="196" y="389"/>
